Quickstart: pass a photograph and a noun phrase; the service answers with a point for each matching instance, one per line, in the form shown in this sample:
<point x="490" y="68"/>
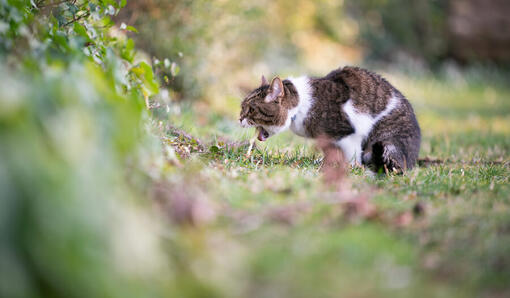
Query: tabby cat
<point x="369" y="119"/>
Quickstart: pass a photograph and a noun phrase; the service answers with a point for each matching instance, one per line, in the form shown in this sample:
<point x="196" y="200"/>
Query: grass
<point x="440" y="230"/>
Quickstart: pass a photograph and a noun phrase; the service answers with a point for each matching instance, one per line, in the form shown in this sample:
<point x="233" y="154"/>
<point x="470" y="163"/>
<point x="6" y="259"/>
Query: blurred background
<point x="225" y="46"/>
<point x="123" y="170"/>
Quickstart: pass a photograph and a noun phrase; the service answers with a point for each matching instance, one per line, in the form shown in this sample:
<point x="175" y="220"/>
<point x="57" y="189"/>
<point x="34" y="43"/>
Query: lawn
<point x="268" y="225"/>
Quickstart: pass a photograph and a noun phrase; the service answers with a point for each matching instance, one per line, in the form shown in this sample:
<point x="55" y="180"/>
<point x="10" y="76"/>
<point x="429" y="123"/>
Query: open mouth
<point x="263" y="134"/>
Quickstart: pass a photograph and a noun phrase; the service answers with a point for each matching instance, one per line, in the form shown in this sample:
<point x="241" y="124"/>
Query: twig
<point x="77" y="19"/>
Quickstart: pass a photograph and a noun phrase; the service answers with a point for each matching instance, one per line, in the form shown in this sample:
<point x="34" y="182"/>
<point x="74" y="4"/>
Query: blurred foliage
<point x="72" y="108"/>
<point x="398" y="27"/>
<point x="204" y="36"/>
<point x="65" y="138"/>
<point x="222" y="42"/>
<point x="38" y="35"/>
<point x="226" y="46"/>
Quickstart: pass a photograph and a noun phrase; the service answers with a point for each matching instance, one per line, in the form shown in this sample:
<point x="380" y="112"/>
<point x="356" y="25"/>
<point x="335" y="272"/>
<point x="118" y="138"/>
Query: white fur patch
<point x="299" y="113"/>
<point x="245" y="123"/>
<point x="351" y="146"/>
<point x="362" y="124"/>
<point x="274" y="129"/>
<point x="392" y="104"/>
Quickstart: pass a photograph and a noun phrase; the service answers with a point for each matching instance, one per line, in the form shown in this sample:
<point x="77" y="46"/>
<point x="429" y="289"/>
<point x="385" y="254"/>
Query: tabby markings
<point x="362" y="123"/>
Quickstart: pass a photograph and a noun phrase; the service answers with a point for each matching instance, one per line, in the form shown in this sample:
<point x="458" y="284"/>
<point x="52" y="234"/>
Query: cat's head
<point x="266" y="108"/>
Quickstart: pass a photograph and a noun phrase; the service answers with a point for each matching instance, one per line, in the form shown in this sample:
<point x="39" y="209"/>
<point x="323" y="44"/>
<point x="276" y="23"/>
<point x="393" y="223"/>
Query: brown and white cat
<point x="369" y="119"/>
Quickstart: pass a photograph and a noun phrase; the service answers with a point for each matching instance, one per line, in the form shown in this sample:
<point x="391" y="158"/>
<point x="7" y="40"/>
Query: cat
<point x="365" y="116"/>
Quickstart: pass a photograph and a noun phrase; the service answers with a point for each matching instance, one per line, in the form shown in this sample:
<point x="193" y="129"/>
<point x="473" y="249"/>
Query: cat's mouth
<point x="263" y="134"/>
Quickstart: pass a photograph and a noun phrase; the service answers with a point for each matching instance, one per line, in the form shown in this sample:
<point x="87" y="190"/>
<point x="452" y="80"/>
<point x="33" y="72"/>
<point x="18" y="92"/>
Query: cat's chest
<point x="297" y="124"/>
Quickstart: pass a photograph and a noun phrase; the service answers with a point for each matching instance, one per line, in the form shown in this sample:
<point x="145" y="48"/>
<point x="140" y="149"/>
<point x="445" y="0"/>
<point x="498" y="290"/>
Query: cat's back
<point x="369" y="91"/>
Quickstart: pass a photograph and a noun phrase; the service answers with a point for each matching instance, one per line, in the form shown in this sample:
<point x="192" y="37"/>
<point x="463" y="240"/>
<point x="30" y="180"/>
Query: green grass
<point x="282" y="234"/>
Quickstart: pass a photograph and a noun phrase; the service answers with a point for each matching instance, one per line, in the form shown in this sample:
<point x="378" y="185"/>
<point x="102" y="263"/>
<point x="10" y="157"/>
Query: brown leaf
<point x="287" y="214"/>
<point x="360" y="207"/>
<point x="404" y="219"/>
<point x="333" y="164"/>
<point x="184" y="205"/>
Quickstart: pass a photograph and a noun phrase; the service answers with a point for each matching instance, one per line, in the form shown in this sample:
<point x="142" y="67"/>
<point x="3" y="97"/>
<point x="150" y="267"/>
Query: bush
<point x="72" y="108"/>
<point x="387" y="28"/>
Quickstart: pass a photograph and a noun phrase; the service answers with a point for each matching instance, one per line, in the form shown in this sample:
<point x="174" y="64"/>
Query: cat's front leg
<point x="351" y="147"/>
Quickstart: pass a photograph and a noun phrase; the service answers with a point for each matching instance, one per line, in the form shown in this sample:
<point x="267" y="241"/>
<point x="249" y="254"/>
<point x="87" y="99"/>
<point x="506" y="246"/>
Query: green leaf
<point x="144" y="72"/>
<point x="61" y="19"/>
<point x="132" y="29"/>
<point x="81" y="31"/>
<point x="53" y="21"/>
<point x="137" y="70"/>
<point x="128" y="52"/>
<point x="61" y="40"/>
<point x="149" y="81"/>
<point x="106" y="22"/>
<point x="72" y="8"/>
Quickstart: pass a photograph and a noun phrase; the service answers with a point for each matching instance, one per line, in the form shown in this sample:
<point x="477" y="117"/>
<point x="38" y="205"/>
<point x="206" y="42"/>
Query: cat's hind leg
<point x="386" y="155"/>
<point x="393" y="158"/>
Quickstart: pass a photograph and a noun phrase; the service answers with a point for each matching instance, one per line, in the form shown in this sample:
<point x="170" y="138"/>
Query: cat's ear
<point x="275" y="90"/>
<point x="264" y="81"/>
